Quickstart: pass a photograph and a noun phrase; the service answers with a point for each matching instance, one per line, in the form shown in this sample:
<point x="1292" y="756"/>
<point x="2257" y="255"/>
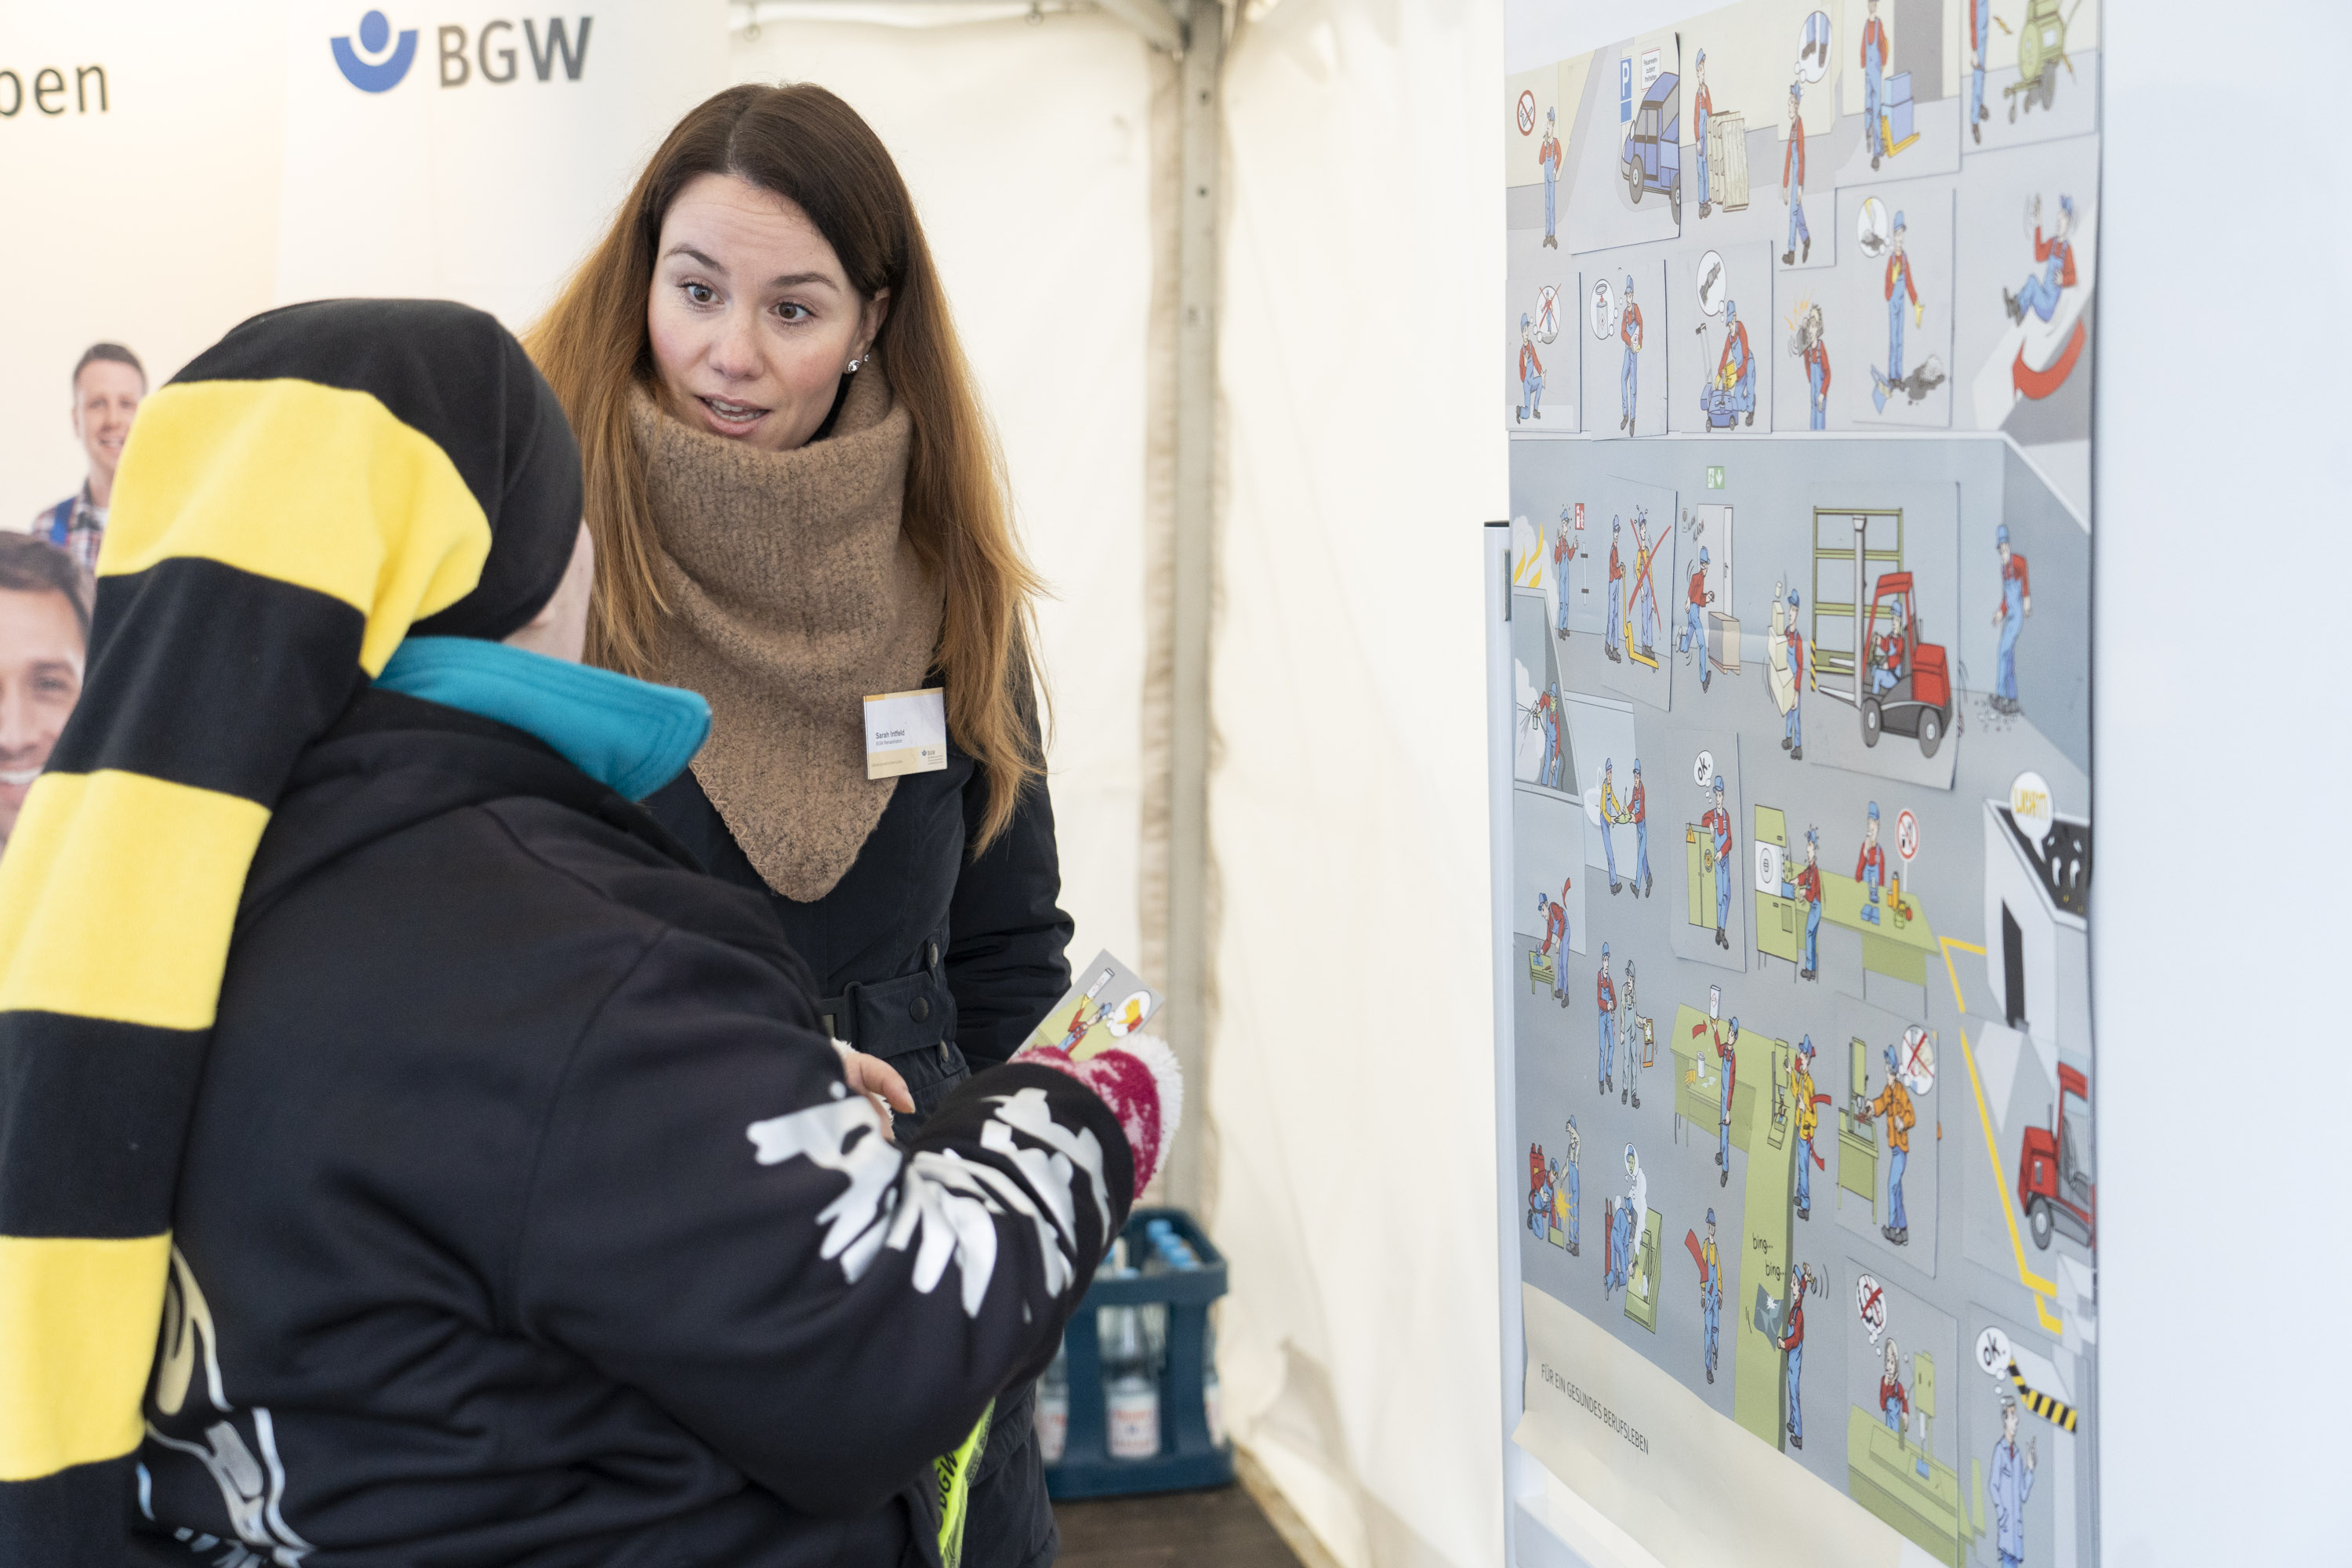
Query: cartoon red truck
<point x="2053" y="1171"/>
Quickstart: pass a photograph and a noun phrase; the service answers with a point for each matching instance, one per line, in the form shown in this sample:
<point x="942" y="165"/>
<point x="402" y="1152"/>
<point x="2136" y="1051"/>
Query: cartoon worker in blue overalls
<point x="1575" y="1215"/>
<point x="1893" y="1402"/>
<point x="1734" y="387"/>
<point x="1807" y="1101"/>
<point x="1886" y="669"/>
<point x="1813" y="349"/>
<point x="1792" y="182"/>
<point x="1874" y="72"/>
<point x="1629" y="1033"/>
<point x="1893" y="1104"/>
<point x="1806" y="885"/>
<point x="1724" y="1050"/>
<point x="1554" y="722"/>
<point x="2040" y="292"/>
<point x="1645" y="585"/>
<point x="1702" y="110"/>
<point x="1717" y="823"/>
<point x="1531" y="371"/>
<point x="1629" y="333"/>
<point x="1792" y="1341"/>
<point x="1539" y="1193"/>
<point x="1613" y="636"/>
<point x="1792" y="740"/>
<point x="1693" y="631"/>
<point x="1980" y="29"/>
<point x="1870" y="867"/>
<point x="2016" y="604"/>
<point x="1625" y="1224"/>
<point x="1555" y="944"/>
<point x="1638" y="815"/>
<point x="1710" y="1295"/>
<point x="1611" y="814"/>
<point x="1563" y="550"/>
<point x="1605" y="993"/>
<point x="1900" y="287"/>
<point x="1548" y="154"/>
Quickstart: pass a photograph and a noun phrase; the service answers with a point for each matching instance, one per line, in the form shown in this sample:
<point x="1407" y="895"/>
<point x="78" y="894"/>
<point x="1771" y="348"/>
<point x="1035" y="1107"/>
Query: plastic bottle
<point x="1130" y="1386"/>
<point x="1054" y="1409"/>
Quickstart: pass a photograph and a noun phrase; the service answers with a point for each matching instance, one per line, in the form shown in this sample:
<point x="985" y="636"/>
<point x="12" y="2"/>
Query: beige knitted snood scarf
<point x="793" y="595"/>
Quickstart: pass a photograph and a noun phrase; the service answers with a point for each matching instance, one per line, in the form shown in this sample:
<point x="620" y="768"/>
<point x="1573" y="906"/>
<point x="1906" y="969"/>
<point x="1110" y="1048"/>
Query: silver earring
<point x="854" y="365"/>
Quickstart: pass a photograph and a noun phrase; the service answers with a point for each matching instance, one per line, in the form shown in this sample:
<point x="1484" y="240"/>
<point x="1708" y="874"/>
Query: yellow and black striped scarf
<point x="322" y="481"/>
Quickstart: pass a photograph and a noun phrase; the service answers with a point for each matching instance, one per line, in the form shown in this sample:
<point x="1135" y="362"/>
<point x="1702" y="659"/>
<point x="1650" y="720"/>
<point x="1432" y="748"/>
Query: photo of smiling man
<point x="107" y="383"/>
<point x="43" y="640"/>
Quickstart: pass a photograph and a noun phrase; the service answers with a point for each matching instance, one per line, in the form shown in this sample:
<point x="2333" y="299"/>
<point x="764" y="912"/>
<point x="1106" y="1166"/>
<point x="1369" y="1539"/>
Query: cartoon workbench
<point x="1898" y="946"/>
<point x="1857" y="1140"/>
<point x="1895" y="1477"/>
<point x="1762" y="1128"/>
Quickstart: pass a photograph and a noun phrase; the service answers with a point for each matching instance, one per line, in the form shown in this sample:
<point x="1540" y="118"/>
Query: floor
<point x="1224" y="1528"/>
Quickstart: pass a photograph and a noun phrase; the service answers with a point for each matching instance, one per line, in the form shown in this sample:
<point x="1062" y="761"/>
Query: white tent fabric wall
<point x="1350" y="1078"/>
<point x="1027" y="151"/>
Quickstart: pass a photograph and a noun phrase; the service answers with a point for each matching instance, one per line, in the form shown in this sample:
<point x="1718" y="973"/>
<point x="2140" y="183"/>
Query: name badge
<point x="906" y="732"/>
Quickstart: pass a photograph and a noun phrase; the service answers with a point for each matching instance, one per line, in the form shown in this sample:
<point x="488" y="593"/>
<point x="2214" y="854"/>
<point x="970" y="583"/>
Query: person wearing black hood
<point x="482" y="1162"/>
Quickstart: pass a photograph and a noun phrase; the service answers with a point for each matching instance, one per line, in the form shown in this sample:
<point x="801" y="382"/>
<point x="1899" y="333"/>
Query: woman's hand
<point x="878" y="1081"/>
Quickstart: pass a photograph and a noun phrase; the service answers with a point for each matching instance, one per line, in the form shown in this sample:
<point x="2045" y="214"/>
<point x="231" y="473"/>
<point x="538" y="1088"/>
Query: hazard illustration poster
<point x="1800" y="1051"/>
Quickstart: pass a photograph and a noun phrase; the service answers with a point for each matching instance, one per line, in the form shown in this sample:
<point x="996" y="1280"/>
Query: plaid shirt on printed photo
<point x="84" y="531"/>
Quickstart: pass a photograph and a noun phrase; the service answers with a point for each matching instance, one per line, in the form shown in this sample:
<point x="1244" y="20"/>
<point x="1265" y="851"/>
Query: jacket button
<point x="945" y="1060"/>
<point x="920" y="1007"/>
<point x="931" y="955"/>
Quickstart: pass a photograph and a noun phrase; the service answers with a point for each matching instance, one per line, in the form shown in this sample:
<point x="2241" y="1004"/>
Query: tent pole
<point x="1190" y="991"/>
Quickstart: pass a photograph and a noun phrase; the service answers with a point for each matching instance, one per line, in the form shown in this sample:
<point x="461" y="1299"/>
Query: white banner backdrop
<point x="142" y="200"/>
<point x="480" y="152"/>
<point x="169" y="170"/>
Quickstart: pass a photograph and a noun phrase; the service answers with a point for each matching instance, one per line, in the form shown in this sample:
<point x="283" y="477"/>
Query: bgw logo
<point x="379" y="63"/>
<point x="369" y="68"/>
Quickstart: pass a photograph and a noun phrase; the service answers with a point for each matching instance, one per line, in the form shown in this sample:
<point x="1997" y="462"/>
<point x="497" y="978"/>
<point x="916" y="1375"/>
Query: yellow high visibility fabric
<point x="118" y="895"/>
<point x="92" y="1307"/>
<point x="209" y="473"/>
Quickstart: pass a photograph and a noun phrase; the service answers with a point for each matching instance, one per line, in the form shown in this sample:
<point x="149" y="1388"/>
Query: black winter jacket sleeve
<point x="1007" y="959"/>
<point x="715" y="1221"/>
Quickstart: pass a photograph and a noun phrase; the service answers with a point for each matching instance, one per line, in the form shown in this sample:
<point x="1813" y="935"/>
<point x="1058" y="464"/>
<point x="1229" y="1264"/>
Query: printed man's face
<point x="1870" y="831"/>
<point x="2009" y="1424"/>
<point x="106" y="396"/>
<point x="41" y="656"/>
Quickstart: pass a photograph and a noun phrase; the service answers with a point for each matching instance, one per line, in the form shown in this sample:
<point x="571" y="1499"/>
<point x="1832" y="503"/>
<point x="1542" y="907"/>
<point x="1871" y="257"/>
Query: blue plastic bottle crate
<point x="1187" y="1458"/>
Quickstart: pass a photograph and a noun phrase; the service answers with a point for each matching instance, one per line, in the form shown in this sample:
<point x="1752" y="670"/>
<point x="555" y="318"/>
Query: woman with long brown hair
<point x="798" y="505"/>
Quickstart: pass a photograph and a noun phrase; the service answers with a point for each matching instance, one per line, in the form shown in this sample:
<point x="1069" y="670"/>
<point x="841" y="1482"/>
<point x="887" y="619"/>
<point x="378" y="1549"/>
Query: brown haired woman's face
<point x="753" y="319"/>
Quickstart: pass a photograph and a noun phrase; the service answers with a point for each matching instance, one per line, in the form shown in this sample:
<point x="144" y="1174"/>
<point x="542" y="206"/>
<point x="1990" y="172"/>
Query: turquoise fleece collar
<point x="631" y="735"/>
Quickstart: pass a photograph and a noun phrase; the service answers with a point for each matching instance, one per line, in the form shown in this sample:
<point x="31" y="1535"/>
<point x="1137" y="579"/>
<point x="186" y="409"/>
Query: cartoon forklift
<point x="1900" y="682"/>
<point x="1906" y="684"/>
<point x="2053" y="1180"/>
